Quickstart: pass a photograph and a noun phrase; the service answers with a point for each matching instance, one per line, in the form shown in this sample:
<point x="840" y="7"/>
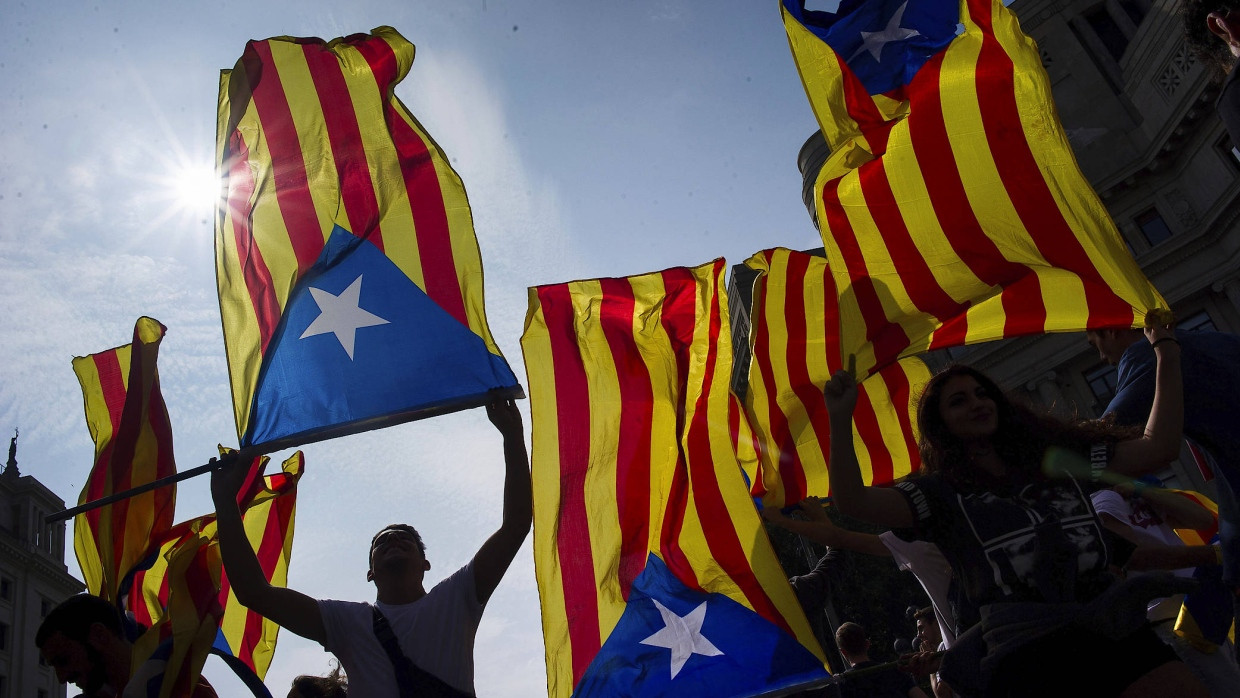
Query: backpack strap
<point x="412" y="680"/>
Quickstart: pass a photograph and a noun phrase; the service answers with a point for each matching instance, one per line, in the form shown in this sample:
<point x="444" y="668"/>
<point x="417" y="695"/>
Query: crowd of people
<point x="1040" y="542"/>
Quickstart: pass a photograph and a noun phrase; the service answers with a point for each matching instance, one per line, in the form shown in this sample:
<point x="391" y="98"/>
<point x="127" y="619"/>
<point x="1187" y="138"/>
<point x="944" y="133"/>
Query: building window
<point x="4" y="637"/>
<point x="6" y="589"/>
<point x="1152" y="226"/>
<point x="42" y="693"/>
<point x="1197" y="322"/>
<point x="1108" y="30"/>
<point x="1101" y="381"/>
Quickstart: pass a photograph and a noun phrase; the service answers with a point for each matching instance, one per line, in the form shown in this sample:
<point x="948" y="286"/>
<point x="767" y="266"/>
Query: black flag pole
<point x="153" y="485"/>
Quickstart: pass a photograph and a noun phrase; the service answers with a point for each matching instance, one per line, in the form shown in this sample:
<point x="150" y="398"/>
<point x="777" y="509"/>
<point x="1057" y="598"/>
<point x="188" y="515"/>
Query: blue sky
<point x="594" y="139"/>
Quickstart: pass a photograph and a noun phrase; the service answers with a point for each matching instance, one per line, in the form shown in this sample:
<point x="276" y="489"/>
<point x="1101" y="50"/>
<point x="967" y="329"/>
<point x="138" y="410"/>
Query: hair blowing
<point x="1021" y="437"/>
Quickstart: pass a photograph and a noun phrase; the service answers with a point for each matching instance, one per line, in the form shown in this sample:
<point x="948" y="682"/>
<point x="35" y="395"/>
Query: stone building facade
<point x="33" y="579"/>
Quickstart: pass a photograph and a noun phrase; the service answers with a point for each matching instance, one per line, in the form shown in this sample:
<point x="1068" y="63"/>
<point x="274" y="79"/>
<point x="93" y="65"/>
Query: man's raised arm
<point x="288" y="608"/>
<point x="497" y="552"/>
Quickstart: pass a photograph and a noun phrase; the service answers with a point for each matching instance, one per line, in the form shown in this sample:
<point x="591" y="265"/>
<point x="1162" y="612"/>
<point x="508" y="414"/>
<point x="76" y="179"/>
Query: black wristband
<point x="1166" y="339"/>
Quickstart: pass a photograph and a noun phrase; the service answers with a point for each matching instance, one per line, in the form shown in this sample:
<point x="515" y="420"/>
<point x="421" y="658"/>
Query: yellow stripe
<point x="545" y="472"/>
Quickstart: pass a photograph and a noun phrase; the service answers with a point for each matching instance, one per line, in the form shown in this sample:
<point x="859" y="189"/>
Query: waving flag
<point x="795" y="345"/>
<point x="133" y="446"/>
<point x="951" y="207"/>
<point x="654" y="573"/>
<point x="244" y="639"/>
<point x="349" y="276"/>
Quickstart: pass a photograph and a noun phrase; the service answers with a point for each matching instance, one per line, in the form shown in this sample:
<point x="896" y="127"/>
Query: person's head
<point x="334" y="685"/>
<point x="82" y="641"/>
<point x="963" y="413"/>
<point x="396" y="548"/>
<point x="852" y="641"/>
<point x="1112" y="342"/>
<point x="1212" y="31"/>
<point x="928" y="628"/>
<point x="959" y="406"/>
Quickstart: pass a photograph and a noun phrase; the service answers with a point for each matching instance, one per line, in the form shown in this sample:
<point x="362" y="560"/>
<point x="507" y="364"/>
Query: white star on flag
<point x="682" y="635"/>
<point x="341" y="315"/>
<point x="875" y="41"/>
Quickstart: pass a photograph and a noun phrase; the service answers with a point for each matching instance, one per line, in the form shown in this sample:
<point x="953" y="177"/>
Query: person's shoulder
<point x="345" y="606"/>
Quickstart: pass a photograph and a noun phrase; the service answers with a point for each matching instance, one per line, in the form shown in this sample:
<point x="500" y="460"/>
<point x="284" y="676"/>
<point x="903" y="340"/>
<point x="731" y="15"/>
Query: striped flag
<point x="241" y="636"/>
<point x="653" y="570"/>
<point x="133" y="446"/>
<point x="951" y="207"/>
<point x="349" y="276"/>
<point x="795" y="344"/>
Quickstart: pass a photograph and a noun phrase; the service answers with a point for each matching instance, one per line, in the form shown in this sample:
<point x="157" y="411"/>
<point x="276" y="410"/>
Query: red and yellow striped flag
<point x="794" y="336"/>
<point x="952" y="208"/>
<point x="133" y="446"/>
<point x="642" y="521"/>
<point x="1202" y="536"/>
<point x="268" y="504"/>
<point x="328" y="176"/>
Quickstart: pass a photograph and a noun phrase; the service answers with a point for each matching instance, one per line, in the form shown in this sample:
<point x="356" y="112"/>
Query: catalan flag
<point x="951" y="206"/>
<point x="654" y="572"/>
<point x="794" y="335"/>
<point x="171" y="654"/>
<point x="133" y="446"/>
<point x="244" y="639"/>
<point x="349" y="276"/>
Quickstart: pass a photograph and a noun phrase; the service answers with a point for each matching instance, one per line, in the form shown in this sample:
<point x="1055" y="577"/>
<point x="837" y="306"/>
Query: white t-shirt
<point x="1148" y="526"/>
<point x="436" y="632"/>
<point x="928" y="565"/>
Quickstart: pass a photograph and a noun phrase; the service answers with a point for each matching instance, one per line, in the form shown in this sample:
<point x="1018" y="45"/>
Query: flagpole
<point x="153" y="485"/>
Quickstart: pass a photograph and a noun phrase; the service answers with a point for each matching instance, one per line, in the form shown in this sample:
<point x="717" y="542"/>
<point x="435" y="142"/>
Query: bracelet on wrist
<point x="1160" y="340"/>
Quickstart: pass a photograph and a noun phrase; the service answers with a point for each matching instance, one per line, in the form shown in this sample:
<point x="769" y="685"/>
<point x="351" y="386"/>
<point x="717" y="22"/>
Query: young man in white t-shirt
<point x="435" y="629"/>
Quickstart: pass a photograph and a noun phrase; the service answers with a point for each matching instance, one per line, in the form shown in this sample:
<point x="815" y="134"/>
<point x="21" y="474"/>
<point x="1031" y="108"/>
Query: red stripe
<point x="112" y="388"/>
<point x="288" y="165"/>
<point x="573" y="546"/>
<point x="249" y="257"/>
<point x="863" y="110"/>
<point x="125" y="442"/>
<point x="787" y="461"/>
<point x="422" y="184"/>
<point x="357" y="191"/>
<point x="911" y="267"/>
<point x="797" y="360"/>
<point x="1029" y="190"/>
<point x="896" y="380"/>
<point x="616" y="315"/>
<point x="1021" y="296"/>
<point x="888" y="337"/>
<point x="865" y="417"/>
<point x="678" y="318"/>
<point x="270" y="549"/>
<point x="718" y="527"/>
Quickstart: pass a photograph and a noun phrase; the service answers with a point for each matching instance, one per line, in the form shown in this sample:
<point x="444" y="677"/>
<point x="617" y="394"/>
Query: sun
<point x="193" y="187"/>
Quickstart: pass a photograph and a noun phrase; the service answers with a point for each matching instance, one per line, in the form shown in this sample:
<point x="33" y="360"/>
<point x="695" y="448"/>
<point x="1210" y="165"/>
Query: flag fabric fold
<point x="349" y="275"/>
<point x="794" y="338"/>
<point x="951" y="207"/>
<point x="654" y="572"/>
<point x="129" y="424"/>
<point x="188" y="564"/>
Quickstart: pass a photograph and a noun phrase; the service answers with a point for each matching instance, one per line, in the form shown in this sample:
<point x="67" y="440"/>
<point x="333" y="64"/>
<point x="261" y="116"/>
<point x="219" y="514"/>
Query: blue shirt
<point x="1210" y="362"/>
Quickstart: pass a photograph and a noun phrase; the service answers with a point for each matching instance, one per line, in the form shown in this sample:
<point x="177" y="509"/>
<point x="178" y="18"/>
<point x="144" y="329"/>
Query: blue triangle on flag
<point x="683" y="649"/>
<point x="884" y="42"/>
<point x="360" y="344"/>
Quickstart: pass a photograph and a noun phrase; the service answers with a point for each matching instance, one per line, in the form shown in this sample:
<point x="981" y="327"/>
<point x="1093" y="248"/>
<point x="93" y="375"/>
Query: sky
<point x="594" y="139"/>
